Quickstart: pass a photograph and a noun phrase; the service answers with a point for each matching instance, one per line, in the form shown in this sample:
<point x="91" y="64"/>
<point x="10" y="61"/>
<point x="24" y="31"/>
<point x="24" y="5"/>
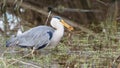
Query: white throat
<point x="57" y="35"/>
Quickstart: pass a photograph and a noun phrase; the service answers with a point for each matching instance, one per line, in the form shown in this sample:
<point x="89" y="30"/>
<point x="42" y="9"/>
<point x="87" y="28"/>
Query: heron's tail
<point x="11" y="42"/>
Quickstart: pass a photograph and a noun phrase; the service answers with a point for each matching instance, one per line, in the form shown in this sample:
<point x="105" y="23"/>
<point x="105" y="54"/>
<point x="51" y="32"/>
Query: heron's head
<point x="57" y="21"/>
<point x="11" y="42"/>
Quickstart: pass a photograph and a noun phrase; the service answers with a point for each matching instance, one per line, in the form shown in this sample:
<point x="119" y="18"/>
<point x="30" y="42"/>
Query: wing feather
<point x="35" y="37"/>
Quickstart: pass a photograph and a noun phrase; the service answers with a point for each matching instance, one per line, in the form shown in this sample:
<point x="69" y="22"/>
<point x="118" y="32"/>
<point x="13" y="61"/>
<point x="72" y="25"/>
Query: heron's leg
<point x="32" y="53"/>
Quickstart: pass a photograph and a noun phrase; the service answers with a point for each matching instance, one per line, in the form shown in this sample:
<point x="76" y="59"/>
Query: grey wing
<point x="42" y="41"/>
<point x="36" y="38"/>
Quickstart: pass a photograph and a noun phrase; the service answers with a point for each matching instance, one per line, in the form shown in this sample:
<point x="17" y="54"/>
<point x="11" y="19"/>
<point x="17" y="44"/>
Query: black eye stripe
<point x="58" y="17"/>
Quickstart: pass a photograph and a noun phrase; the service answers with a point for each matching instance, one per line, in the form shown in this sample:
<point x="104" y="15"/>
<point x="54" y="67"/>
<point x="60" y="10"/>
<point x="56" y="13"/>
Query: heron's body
<point x="42" y="33"/>
<point x="40" y="36"/>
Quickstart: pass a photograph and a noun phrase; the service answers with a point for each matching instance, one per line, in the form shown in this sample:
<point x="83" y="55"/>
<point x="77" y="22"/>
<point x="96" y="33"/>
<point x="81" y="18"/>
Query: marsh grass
<point x="80" y="50"/>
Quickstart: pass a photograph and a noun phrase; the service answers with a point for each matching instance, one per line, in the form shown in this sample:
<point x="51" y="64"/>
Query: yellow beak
<point x="70" y="28"/>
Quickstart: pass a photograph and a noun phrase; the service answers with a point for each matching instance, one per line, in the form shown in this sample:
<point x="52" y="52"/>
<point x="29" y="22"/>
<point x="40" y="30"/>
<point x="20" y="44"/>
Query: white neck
<point x="57" y="35"/>
<point x="59" y="31"/>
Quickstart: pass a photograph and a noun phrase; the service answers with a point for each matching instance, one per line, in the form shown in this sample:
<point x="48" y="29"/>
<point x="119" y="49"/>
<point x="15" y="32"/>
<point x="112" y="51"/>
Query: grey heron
<point x="41" y="36"/>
